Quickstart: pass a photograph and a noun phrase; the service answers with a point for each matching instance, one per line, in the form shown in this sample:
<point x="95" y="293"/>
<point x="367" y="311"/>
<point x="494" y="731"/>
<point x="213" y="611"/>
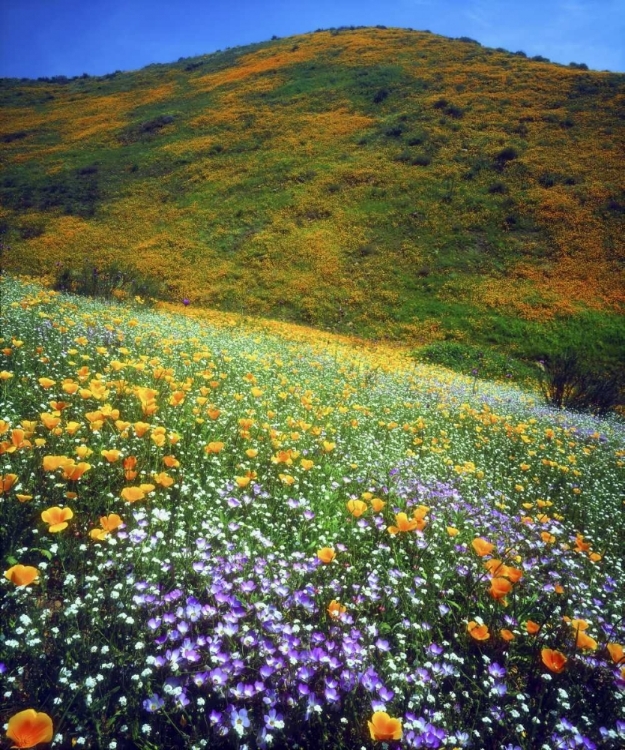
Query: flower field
<point x="225" y="533"/>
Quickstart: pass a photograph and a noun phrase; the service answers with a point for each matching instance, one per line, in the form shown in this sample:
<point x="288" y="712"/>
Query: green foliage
<point x="483" y="363"/>
<point x="568" y="382"/>
<point x="111" y="282"/>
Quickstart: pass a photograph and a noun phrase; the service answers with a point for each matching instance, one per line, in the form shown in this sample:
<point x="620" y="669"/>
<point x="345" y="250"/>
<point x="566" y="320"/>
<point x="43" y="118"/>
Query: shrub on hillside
<point x="111" y="282"/>
<point x="569" y="383"/>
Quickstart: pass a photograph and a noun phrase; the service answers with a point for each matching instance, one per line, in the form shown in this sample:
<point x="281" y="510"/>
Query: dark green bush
<point x="507" y="154"/>
<point x="109" y="282"/>
<point x="422" y="160"/>
<point x="568" y="382"/>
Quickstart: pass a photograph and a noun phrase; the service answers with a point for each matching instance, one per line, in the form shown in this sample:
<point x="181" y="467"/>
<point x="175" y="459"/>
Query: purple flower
<point x="239" y="721"/>
<point x="153" y="703"/>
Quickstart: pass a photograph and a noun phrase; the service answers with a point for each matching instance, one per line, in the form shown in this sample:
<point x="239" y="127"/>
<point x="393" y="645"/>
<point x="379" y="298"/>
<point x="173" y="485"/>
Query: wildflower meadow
<point x="224" y="533"/>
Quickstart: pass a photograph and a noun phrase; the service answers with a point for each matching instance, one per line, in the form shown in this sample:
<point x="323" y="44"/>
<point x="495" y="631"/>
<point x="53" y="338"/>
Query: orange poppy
<point x="452" y="531"/>
<point x="532" y="627"/>
<point x="377" y="504"/>
<point x="73" y="471"/>
<point x="507" y="635"/>
<point x="57" y="518"/>
<point x="140" y="428"/>
<point x="164" y="479"/>
<point x="214" y="447"/>
<point x="482" y="547"/>
<point x="336" y="609"/>
<point x="28" y="728"/>
<point x="499" y="587"/>
<point x="478" y="632"/>
<point x="46" y="382"/>
<point x="111" y="455"/>
<point x="356" y="507"/>
<point x="22" y="575"/>
<point x="132" y="494"/>
<point x="326" y="555"/>
<point x="306" y="464"/>
<point x="555" y="661"/>
<point x="403" y="524"/>
<point x="171" y="462"/>
<point x="50" y="421"/>
<point x="616" y="652"/>
<point x="6" y="482"/>
<point x="110" y="522"/>
<point x="384" y="727"/>
<point x="585" y="641"/>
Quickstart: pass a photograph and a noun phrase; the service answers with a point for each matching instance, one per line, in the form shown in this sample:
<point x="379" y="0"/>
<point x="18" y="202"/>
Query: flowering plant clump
<point x="275" y="543"/>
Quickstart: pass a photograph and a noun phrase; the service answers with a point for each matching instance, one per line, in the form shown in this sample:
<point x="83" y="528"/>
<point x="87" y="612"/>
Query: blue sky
<point x="71" y="37"/>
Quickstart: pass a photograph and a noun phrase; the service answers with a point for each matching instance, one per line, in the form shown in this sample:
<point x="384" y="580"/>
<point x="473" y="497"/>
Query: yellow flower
<point x="403" y="524"/>
<point x="356" y="507"/>
<point x="164" y="479"/>
<point x="132" y="494"/>
<point x="57" y="518"/>
<point x="383" y="727"/>
<point x="326" y="555"/>
<point x="22" y="575"/>
<point x="335" y="609"/>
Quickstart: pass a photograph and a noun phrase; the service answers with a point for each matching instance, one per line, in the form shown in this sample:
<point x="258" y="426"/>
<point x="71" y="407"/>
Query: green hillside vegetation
<point x="383" y="182"/>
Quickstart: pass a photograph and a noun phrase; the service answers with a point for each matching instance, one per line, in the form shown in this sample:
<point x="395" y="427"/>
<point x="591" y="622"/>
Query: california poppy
<point x="532" y="627"/>
<point x="616" y="652"/>
<point x="499" y="587"/>
<point x="22" y="575"/>
<point x="6" y="482"/>
<point x="335" y="609"/>
<point x="482" y="547"/>
<point x="132" y="494"/>
<point x="384" y="727"/>
<point x="326" y="554"/>
<point x="403" y="524"/>
<point x="57" y="518"/>
<point x="553" y="660"/>
<point x="478" y="632"/>
<point x="164" y="479"/>
<point x="28" y="728"/>
<point x="585" y="641"/>
<point x="111" y="455"/>
<point x="356" y="507"/>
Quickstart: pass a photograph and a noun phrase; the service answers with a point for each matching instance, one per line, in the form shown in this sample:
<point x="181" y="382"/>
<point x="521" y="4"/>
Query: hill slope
<point x="382" y="181"/>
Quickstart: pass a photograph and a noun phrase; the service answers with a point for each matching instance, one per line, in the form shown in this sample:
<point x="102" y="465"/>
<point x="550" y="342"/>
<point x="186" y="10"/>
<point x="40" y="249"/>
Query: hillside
<point x="386" y="182"/>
